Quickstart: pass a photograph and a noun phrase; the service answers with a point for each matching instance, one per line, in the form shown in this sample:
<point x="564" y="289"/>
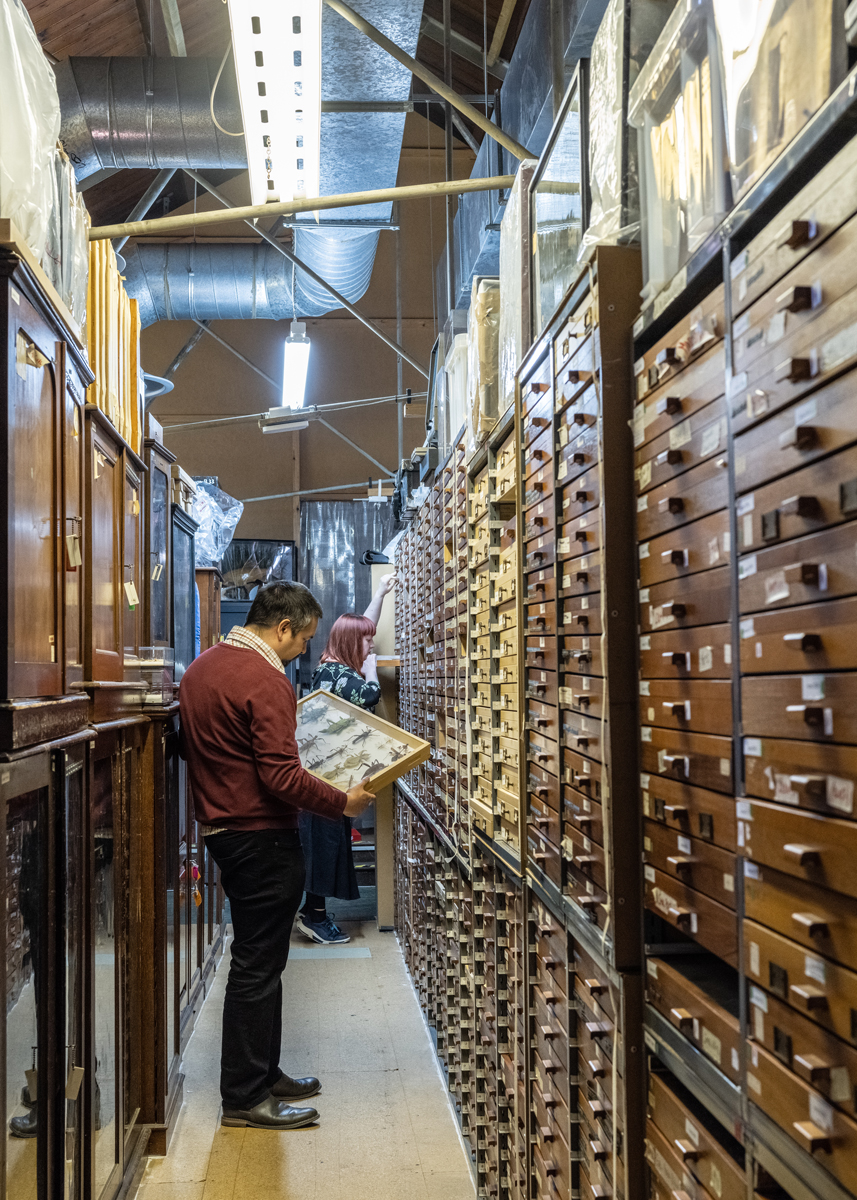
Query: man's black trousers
<point x="262" y="872"/>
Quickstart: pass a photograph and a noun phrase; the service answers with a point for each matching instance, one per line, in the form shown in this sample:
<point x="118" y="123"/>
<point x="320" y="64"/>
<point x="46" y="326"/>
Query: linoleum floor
<point x="386" y="1129"/>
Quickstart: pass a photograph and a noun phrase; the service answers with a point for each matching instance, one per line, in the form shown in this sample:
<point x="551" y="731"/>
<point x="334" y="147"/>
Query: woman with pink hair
<point x="348" y="668"/>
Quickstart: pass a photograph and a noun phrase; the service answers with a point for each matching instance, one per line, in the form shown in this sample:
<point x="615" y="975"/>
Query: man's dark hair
<point x="285" y="601"/>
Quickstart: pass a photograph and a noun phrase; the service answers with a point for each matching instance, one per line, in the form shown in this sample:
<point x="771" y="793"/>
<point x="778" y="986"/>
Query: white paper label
<point x="652" y="968"/>
<point x="684" y="845"/>
<point x="642" y="503"/>
<point x="745" y="504"/>
<point x="649" y="872"/>
<point x="645" y="733"/>
<point x="776" y="587"/>
<point x="747" y="529"/>
<point x="776" y="330"/>
<point x="783" y="791"/>
<point x="680" y="435"/>
<point x="706" y="658"/>
<point x="645" y="642"/>
<point x="691" y="1131"/>
<point x="747" y="567"/>
<point x="758" y="1025"/>
<point x="644" y="687"/>
<point x="715" y="1183"/>
<point x="644" y="595"/>
<point x="755" y="965"/>
<point x="644" y="475"/>
<point x="840" y="794"/>
<point x="820" y="1113"/>
<point x="713" y="552"/>
<point x="725" y="766"/>
<point x="753" y="747"/>
<point x="747" y="628"/>
<point x="744" y="810"/>
<point x="812" y="687"/>
<point x="644" y="550"/>
<point x="728" y="883"/>
<point x="710" y="439"/>
<point x="815" y="968"/>
<point x="711" y="1045"/>
<point x="751" y="870"/>
<point x="755" y="1084"/>
<point x="759" y="998"/>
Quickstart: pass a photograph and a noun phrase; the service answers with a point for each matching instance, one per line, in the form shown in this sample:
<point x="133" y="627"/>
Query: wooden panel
<point x="698" y="864"/>
<point x="688" y="1006"/>
<point x="819" y="849"/>
<point x="701" y="652"/>
<point x="817" y="707"/>
<point x="812" y="776"/>
<point x="823" y="921"/>
<point x="819" y="495"/>
<point x="696" y="915"/>
<point x="690" y="810"/>
<point x="682" y="603"/>
<point x="704" y="706"/>
<point x="817" y="567"/>
<point x="813" y="637"/>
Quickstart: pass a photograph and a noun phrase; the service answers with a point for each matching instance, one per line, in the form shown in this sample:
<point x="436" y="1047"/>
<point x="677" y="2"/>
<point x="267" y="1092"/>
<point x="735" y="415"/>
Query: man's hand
<point x="358" y="800"/>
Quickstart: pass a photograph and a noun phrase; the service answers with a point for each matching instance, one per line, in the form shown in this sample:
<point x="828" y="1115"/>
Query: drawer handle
<point x="584" y="860"/>
<point x="598" y="1029"/>
<point x="813" y="925"/>
<point x="582" y="742"/>
<point x="807" y="642"/>
<point x="579" y="418"/>
<point x="799" y="437"/>
<point x="671" y="504"/>
<point x="680" y="710"/>
<point x="806" y="573"/>
<point x="674" y="811"/>
<point x="815" y="786"/>
<point x="539" y="422"/>
<point x="670" y="458"/>
<point x="548" y="1033"/>
<point x="581" y="701"/>
<point x="678" y="658"/>
<point x="808" y="996"/>
<point x="668" y="357"/>
<point x="599" y="1110"/>
<point x="579" y="376"/>
<point x="678" y="762"/>
<point x="811" y="714"/>
<point x="678" y="557"/>
<point x="548" y="1066"/>
<point x="582" y="577"/>
<point x="805" y="856"/>
<point x="793" y="370"/>
<point x="795" y="299"/>
<point x="813" y="1069"/>
<point x="581" y="619"/>
<point x="681" y="916"/>
<point x="596" y="1069"/>
<point x="687" y="1151"/>
<point x="578" y="458"/>
<point x="797" y="234"/>
<point x="581" y="497"/>
<point x="598" y="1150"/>
<point x="587" y="903"/>
<point x="549" y="1100"/>
<point x="680" y="1195"/>
<point x="811" y="1137"/>
<point x="800" y="506"/>
<point x="595" y="986"/>
<point x="581" y="536"/>
<point x="537" y="388"/>
<point x="682" y="1019"/>
<point x="669" y="405"/>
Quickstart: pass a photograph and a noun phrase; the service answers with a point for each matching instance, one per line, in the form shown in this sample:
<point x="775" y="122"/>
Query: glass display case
<point x="183" y="590"/>
<point x="104" y="658"/>
<point x="559" y="203"/>
<point x="157" y="605"/>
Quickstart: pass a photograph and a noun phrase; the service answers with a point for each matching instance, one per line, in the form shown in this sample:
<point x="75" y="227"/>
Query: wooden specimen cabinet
<point x="44" y="377"/>
<point x="157" y="574"/>
<point x="209" y="582"/>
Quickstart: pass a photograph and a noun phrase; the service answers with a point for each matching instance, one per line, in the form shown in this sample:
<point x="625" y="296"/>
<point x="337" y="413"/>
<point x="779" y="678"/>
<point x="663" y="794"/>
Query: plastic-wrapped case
<point x="515" y="282"/>
<point x="676" y="104"/>
<point x="781" y="60"/>
<point x="559" y="204"/>
<point x="483" y="349"/>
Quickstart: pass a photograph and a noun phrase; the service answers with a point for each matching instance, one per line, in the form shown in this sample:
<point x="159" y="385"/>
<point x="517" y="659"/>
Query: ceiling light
<point x="295" y="365"/>
<point x="282" y="420"/>
<point x="277" y="49"/>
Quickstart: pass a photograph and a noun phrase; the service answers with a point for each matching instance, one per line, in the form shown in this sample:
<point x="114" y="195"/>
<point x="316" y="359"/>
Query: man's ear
<point x="283" y="628"/>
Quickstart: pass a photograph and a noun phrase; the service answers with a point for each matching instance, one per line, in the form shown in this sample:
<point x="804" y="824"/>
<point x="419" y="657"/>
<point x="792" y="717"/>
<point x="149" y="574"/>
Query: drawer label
<point x="747" y="529"/>
<point x="680" y="435"/>
<point x="745" y="504"/>
<point x="755" y="1083"/>
<point x="751" y="870"/>
<point x="747" y="567"/>
<point x="812" y="687"/>
<point x="776" y="330"/>
<point x="642" y="503"/>
<point x="706" y="658"/>
<point x="644" y="687"/>
<point x="645" y="642"/>
<point x="644" y="595"/>
<point x="651" y="968"/>
<point x="838" y="349"/>
<point x="649" y="872"/>
<point x="755" y="964"/>
<point x="753" y="747"/>
<point x="815" y="968"/>
<point x="759" y="998"/>
<point x="728" y="882"/>
<point x="715" y="1183"/>
<point x="638" y="425"/>
<point x="776" y="587"/>
<point x="644" y="475"/>
<point x="684" y="845"/>
<point x="737" y="384"/>
<point x="711" y="1045"/>
<point x="739" y="264"/>
<point x="711" y="438"/>
<point x="644" y="550"/>
<point x="783" y="791"/>
<point x="691" y="1131"/>
<point x="713" y="552"/>
<point x="820" y="1113"/>
<point x="840" y="794"/>
<point x="747" y="628"/>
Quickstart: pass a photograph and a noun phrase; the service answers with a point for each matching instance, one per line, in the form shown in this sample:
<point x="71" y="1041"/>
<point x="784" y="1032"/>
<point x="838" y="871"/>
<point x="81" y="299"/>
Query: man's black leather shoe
<point x="295" y="1089"/>
<point x="270" y="1114"/>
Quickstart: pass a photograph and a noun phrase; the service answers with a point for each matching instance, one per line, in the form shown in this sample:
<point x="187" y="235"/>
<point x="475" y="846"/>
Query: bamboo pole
<point x="200" y="220"/>
<point x="502" y="28"/>
<point x="436" y="85"/>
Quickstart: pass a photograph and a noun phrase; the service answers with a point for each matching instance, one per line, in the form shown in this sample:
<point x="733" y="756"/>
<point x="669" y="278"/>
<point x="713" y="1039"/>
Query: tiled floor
<point x="386" y="1130"/>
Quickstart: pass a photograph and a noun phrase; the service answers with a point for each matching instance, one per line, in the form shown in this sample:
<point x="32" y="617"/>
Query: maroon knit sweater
<point x="238" y="718"/>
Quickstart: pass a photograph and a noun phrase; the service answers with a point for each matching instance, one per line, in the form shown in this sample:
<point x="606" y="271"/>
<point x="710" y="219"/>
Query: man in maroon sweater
<point x="238" y="718"/>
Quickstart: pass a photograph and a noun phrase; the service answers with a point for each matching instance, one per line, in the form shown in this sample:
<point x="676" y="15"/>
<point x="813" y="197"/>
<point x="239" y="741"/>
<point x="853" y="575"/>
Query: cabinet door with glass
<point x="157" y="595"/>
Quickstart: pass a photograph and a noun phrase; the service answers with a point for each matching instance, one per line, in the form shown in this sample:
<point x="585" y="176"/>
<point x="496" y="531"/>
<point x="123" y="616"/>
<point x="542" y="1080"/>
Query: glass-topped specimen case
<point x="345" y="745"/>
<point x="559" y="203"/>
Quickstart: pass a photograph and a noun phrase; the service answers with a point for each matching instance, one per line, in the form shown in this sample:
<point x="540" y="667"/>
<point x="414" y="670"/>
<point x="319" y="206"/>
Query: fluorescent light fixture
<point x="282" y="420"/>
<point x="295" y="365"/>
<point x="277" y="50"/>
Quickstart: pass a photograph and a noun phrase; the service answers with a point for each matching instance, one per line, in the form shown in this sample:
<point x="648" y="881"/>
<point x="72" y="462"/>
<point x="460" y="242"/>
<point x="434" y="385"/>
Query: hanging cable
<point x="214" y="89"/>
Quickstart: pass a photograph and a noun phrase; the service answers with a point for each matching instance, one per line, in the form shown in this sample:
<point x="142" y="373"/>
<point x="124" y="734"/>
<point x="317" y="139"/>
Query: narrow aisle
<point x="386" y="1131"/>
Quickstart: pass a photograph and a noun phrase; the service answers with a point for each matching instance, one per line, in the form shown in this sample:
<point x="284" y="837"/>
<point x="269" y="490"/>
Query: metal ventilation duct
<point x="130" y="112"/>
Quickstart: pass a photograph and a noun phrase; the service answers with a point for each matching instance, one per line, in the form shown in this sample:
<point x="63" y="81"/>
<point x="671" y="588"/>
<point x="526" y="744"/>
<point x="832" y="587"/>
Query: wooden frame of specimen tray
<point x="353" y="744"/>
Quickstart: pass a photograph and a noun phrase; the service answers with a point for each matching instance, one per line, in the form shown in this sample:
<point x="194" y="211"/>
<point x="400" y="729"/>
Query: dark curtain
<point x="334" y="535"/>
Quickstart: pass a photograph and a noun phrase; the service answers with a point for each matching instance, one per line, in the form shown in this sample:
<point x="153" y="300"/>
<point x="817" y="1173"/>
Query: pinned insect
<point x="341" y="726"/>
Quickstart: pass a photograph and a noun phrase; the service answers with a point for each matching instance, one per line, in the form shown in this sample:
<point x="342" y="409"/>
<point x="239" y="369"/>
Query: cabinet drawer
<point x="581" y="576"/>
<point x="823" y="921"/>
<point x="586" y="855"/>
<point x="551" y="1007"/>
<point x="796" y="436"/>
<point x="688" y="1004"/>
<point x="583" y="814"/>
<point x="670" y="1175"/>
<point x="701" y="382"/>
<point x="539" y="520"/>
<point x="815" y="707"/>
<point x="814" y="986"/>
<point x="545" y="856"/>
<point x="813" y="637"/>
<point x="540" y="552"/>
<point x="543" y="752"/>
<point x="581" y="614"/>
<point x="582" y="495"/>
<point x="581" y="733"/>
<point x="703" y="706"/>
<point x="539" y="486"/>
<point x="698" y="864"/>
<point x="712" y="1160"/>
<point x="537" y="422"/>
<point x="583" y="892"/>
<point x="506" y="753"/>
<point x="543" y="719"/>
<point x="821" y="566"/>
<point x="699" y="917"/>
<point x="696" y="758"/>
<point x="552" y="1168"/>
<point x="541" y="686"/>
<point x="540" y="652"/>
<point x="540" y="586"/>
<point x="536" y="389"/>
<point x="820" y="495"/>
<point x="581" y="656"/>
<point x="543" y="785"/>
<point x="799" y="773"/>
<point x="580" y="537"/>
<point x="580" y="772"/>
<point x="543" y="818"/>
<point x="683" y="603"/>
<point x="704" y="652"/>
<point x="820" y="1059"/>
<point x="540" y="619"/>
<point x="690" y="810"/>
<point x="673" y="353"/>
<point x="805" y="1115"/>
<point x="701" y="491"/>
<point x="574" y="346"/>
<point x="584" y="695"/>
<point x="797" y="231"/>
<point x="685" y="551"/>
<point x="687" y="444"/>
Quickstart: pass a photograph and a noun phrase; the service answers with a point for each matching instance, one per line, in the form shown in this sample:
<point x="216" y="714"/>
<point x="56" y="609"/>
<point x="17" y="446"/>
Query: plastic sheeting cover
<point x="66" y="256"/>
<point x="246" y="565"/>
<point x="217" y="514"/>
<point x="29" y="127"/>
<point x="514" y="283"/>
<point x="483" y="366"/>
